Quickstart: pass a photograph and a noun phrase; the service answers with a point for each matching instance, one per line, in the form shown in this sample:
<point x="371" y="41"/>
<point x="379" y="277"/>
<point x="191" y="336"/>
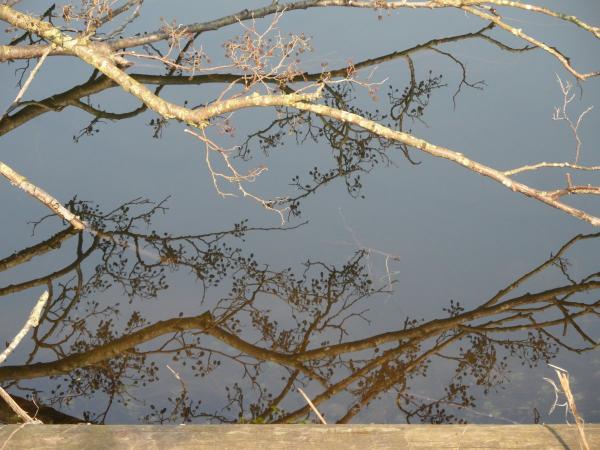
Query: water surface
<point x="400" y="287"/>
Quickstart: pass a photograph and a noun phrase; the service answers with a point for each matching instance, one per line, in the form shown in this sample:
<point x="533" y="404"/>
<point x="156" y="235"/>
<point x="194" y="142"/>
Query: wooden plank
<point x="305" y="437"/>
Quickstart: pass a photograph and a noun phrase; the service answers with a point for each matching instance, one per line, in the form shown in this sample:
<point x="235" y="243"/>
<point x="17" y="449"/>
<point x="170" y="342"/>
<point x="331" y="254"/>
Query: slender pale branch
<point x="537" y="43"/>
<point x="472" y="6"/>
<point x="71" y="97"/>
<point x="16" y="408"/>
<point x="41" y="195"/>
<point x="451" y="155"/>
<point x="543" y="165"/>
<point x="25" y="86"/>
<point x="102" y="61"/>
<point x="32" y="322"/>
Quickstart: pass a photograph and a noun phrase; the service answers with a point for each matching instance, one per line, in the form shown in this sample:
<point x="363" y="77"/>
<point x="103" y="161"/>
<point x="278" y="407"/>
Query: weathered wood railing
<point x="305" y="437"/>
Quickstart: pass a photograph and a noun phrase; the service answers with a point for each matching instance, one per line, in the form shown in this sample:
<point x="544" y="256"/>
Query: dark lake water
<point x="399" y="288"/>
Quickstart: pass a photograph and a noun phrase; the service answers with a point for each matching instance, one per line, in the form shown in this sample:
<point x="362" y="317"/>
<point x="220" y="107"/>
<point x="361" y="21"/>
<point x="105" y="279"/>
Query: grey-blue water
<point x="378" y="299"/>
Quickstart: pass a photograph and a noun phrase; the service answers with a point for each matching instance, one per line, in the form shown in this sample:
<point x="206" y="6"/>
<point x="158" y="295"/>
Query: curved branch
<point x="11" y="52"/>
<point x="548" y="198"/>
<point x="41" y="248"/>
<point x="18" y="180"/>
<point x="519" y="33"/>
<point x="96" y="57"/>
<point x="57" y="102"/>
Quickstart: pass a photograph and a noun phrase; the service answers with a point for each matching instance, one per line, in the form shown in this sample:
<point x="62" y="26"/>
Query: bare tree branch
<point x="18" y="180"/>
<point x="101" y="57"/>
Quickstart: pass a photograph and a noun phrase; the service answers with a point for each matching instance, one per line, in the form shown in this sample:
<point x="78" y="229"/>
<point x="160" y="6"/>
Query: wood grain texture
<point x="305" y="437"/>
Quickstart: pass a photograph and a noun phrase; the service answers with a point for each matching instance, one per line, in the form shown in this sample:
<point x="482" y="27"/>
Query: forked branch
<point x="97" y="57"/>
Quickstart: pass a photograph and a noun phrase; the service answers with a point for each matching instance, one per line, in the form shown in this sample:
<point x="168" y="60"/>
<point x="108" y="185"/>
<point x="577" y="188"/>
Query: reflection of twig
<point x="179" y="401"/>
<point x="569" y="404"/>
<point x="178" y="378"/>
<point x="370" y="251"/>
<point x="313" y="407"/>
<point x="176" y="375"/>
<point x="463" y="408"/>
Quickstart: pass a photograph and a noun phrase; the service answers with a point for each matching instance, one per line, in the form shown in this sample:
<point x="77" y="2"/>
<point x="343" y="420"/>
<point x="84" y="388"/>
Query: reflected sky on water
<point x="378" y="297"/>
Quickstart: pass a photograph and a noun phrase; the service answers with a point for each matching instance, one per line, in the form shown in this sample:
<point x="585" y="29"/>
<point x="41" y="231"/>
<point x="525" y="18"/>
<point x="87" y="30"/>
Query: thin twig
<point x="18" y="180"/>
<point x="569" y="404"/>
<point x="25" y="86"/>
<point x="32" y="322"/>
<point x="560" y="113"/>
<point x="542" y="165"/>
<point x="16" y="408"/>
<point x="313" y="407"/>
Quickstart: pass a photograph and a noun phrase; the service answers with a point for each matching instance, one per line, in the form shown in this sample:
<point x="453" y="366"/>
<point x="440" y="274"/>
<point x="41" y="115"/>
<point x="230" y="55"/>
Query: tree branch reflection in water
<point x="263" y="332"/>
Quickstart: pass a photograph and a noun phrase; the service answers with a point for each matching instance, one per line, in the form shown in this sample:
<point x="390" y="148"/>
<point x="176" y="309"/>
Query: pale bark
<point x="474" y="7"/>
<point x="21" y="182"/>
<point x="548" y="198"/>
<point x="16" y="408"/>
<point x="102" y="60"/>
<point x="32" y="322"/>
